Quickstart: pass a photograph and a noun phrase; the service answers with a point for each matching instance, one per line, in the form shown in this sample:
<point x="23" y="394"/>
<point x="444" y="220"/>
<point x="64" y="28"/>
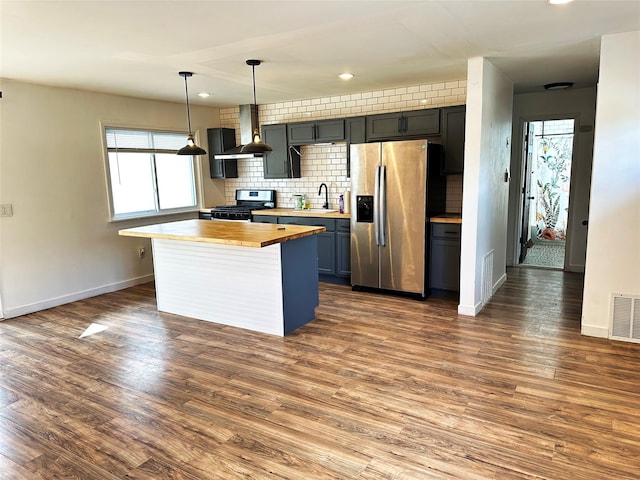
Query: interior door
<point x="527" y="155"/>
<point x="402" y="257"/>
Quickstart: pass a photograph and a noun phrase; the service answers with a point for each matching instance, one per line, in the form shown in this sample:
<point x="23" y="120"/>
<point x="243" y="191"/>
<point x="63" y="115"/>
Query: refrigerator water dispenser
<point x="364" y="208"/>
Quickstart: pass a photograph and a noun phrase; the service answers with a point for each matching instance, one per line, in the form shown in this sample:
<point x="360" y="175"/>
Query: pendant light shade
<point x="256" y="145"/>
<point x="190" y="148"/>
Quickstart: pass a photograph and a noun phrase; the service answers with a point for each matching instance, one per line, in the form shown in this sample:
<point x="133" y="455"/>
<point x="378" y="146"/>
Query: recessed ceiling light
<point x="558" y="85"/>
<point x="558" y="2"/>
<point x="204" y="94"/>
<point x="346" y="76"/>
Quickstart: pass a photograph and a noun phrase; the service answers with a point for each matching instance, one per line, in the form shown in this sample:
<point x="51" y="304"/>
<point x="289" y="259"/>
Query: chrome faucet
<point x="326" y="195"/>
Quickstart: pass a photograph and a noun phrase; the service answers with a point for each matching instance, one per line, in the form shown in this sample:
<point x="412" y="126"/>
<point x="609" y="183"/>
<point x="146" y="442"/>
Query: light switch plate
<point x="6" y="210"/>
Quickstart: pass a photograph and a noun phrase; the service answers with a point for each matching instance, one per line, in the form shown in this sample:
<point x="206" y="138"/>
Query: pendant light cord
<point x="254" y="111"/>
<point x="186" y="92"/>
<point x="253" y="71"/>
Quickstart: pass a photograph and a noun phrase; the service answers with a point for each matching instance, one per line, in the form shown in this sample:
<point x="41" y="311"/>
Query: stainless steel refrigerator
<point x="389" y="214"/>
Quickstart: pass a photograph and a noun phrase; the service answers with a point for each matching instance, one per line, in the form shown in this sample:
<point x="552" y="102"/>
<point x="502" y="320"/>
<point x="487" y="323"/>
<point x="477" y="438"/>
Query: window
<point x="145" y="175"/>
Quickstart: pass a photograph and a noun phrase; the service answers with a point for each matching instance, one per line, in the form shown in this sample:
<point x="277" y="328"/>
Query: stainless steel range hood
<point x="248" y="123"/>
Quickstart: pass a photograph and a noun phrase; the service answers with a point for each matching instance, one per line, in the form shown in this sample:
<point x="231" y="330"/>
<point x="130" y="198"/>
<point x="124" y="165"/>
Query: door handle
<point x="376" y="205"/>
<point x="585" y="222"/>
<point x="531" y="198"/>
<point x="382" y="218"/>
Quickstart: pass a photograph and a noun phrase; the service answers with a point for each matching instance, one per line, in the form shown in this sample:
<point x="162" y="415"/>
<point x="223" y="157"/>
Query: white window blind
<point x="146" y="177"/>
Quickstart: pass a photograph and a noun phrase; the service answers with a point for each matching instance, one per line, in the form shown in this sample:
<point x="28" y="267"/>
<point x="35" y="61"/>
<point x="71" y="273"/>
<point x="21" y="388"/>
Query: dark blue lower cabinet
<point x="444" y="265"/>
<point x="343" y="248"/>
<point x="327" y="253"/>
<point x="334" y="245"/>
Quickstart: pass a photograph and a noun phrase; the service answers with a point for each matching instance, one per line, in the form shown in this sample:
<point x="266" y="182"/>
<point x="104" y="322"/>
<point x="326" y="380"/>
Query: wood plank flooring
<point x="377" y="387"/>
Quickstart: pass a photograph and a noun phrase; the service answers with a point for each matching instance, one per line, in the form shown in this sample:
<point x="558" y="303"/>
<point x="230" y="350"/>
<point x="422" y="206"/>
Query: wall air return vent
<point x="625" y="317"/>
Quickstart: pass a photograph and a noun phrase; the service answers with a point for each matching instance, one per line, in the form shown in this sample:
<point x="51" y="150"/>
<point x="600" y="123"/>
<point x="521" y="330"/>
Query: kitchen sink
<point x="320" y="210"/>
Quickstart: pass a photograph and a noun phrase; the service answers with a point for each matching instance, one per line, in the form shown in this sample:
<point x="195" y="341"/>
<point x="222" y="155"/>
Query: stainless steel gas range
<point x="246" y="201"/>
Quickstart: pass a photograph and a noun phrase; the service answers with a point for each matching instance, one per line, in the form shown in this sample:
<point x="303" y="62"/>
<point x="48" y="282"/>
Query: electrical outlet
<point x="6" y="210"/>
<point x="141" y="252"/>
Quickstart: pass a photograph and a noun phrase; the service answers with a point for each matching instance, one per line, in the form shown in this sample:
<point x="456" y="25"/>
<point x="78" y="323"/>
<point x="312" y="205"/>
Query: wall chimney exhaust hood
<point x="248" y="116"/>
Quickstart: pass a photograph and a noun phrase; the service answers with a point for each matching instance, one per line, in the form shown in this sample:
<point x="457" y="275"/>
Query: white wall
<point x="59" y="245"/>
<point x="613" y="243"/>
<point x="485" y="201"/>
<point x="574" y="103"/>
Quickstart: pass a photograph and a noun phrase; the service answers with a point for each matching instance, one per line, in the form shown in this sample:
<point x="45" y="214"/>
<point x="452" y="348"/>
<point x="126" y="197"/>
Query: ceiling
<point x="136" y="48"/>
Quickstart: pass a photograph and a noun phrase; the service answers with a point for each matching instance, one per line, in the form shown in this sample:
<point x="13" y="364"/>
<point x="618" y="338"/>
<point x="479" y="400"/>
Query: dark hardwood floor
<point x="377" y="387"/>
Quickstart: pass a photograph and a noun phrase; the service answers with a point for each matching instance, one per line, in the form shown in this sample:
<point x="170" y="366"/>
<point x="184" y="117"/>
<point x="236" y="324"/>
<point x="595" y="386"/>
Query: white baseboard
<point x="470" y="311"/>
<point x="593" y="331"/>
<point x="499" y="283"/>
<point x="73" y="297"/>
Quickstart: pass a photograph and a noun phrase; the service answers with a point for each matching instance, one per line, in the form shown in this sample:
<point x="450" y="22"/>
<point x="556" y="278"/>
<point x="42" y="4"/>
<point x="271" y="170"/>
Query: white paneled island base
<point x="271" y="289"/>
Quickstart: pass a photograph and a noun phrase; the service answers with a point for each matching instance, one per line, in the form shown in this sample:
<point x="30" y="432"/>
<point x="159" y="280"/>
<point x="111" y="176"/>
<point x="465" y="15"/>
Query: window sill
<point x="185" y="213"/>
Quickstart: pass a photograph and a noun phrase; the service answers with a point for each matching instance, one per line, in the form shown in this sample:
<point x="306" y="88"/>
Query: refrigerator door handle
<point x="376" y="205"/>
<point x="382" y="217"/>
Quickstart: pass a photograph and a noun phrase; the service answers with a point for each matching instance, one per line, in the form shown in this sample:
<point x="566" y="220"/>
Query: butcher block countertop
<point x="228" y="233"/>
<point x="290" y="212"/>
<point x="447" y="218"/>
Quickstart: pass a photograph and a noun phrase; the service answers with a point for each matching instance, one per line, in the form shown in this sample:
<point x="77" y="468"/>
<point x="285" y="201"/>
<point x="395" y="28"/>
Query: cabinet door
<point x="384" y="126"/>
<point x="282" y="162"/>
<point x="327" y="253"/>
<point x="355" y="132"/>
<point x="307" y="133"/>
<point x="444" y="269"/>
<point x="220" y="140"/>
<point x="301" y="133"/>
<point x="223" y="168"/>
<point x="329" y="131"/>
<point x="419" y="123"/>
<point x="343" y="248"/>
<point x="453" y="125"/>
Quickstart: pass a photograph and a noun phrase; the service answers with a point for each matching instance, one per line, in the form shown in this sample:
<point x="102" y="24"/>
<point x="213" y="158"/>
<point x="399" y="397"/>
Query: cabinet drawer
<point x="446" y="230"/>
<point x="264" y="219"/>
<point x="343" y="225"/>
<point x="328" y="223"/>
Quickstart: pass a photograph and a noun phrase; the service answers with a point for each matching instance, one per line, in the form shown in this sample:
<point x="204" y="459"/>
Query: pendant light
<point x="191" y="148"/>
<point x="256" y="145"/>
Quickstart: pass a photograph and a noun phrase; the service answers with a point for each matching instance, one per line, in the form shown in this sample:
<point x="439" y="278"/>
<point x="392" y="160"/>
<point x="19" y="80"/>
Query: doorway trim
<point x="520" y="196"/>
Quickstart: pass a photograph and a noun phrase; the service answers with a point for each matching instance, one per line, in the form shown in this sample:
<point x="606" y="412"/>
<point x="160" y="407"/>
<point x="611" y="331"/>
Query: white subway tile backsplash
<point x="454" y="194"/>
<point x="327" y="163"/>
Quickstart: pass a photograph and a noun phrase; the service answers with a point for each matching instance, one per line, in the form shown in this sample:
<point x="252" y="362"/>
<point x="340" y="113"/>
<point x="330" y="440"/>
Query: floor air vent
<point x="625" y="318"/>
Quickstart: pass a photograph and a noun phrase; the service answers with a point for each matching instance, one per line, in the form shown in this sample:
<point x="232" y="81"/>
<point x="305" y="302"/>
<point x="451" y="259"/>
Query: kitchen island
<point x="261" y="277"/>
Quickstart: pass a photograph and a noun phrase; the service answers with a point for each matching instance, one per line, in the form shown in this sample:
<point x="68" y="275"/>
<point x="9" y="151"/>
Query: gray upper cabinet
<point x="219" y="140"/>
<point x="319" y="131"/>
<point x="453" y="125"/>
<point x="403" y="125"/>
<point x="355" y="131"/>
<point x="282" y="162"/>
